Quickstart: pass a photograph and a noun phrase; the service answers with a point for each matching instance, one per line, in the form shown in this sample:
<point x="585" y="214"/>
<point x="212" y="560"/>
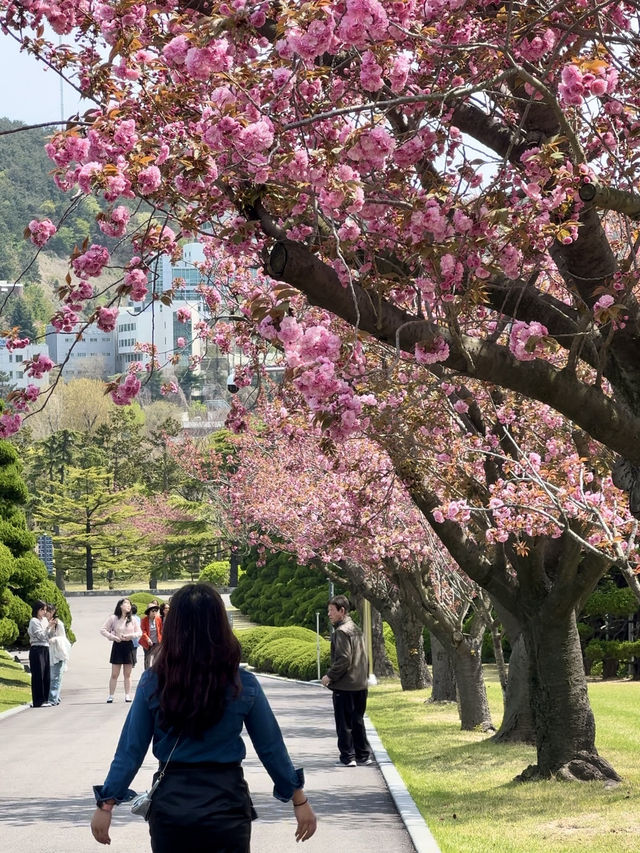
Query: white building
<point x="92" y="353"/>
<point x="12" y="373"/>
<point x="157" y="324"/>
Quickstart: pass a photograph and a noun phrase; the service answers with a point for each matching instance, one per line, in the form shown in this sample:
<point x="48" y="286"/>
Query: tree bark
<point x="412" y="662"/>
<point x="473" y="705"/>
<point x="564" y="724"/>
<point x="444" y="678"/>
<point x="382" y="666"/>
<point x="517" y="721"/>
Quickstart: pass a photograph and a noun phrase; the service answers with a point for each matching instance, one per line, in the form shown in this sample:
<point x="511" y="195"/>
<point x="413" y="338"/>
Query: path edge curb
<point x="414" y="823"/>
<point x="11" y="711"/>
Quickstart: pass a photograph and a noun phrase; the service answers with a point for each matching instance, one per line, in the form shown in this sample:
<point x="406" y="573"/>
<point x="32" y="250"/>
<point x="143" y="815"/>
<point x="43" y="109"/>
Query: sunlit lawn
<point x="15" y="683"/>
<point x="463" y="783"/>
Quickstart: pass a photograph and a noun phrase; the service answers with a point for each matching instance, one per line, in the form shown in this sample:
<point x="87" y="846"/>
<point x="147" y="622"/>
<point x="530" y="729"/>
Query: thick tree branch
<point x="586" y="406"/>
<point x="607" y="198"/>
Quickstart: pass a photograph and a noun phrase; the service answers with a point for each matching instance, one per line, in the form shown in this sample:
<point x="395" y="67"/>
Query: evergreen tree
<point x="122" y="443"/>
<point x="21" y="317"/>
<point x="90" y="521"/>
<point x="23" y="577"/>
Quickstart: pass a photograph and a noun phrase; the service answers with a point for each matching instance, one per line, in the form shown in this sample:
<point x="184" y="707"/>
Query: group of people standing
<point x="49" y="654"/>
<point x="191" y="706"/>
<point x="125" y="630"/>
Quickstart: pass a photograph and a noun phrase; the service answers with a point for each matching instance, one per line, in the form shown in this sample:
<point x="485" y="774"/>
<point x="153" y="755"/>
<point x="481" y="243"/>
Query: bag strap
<point x="164" y="769"/>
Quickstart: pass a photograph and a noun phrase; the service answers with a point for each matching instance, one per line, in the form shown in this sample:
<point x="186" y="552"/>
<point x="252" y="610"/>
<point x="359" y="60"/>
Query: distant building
<point x="12" y="372"/>
<point x="11" y="287"/>
<point x="183" y="277"/>
<point x="92" y="353"/>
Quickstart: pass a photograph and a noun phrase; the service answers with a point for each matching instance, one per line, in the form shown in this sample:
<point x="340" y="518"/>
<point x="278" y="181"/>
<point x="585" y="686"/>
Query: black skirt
<point x="122" y="652"/>
<point x="201" y="807"/>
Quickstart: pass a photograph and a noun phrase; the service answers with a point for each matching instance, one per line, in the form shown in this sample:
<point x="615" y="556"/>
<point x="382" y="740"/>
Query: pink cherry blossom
<point x="41" y="231"/>
<point x="106" y="319"/>
<point x="91" y="262"/>
<point x="149" y="180"/>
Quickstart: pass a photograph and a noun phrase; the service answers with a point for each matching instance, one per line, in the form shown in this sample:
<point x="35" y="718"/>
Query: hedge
<point x="290" y="651"/>
<point x="598" y="650"/>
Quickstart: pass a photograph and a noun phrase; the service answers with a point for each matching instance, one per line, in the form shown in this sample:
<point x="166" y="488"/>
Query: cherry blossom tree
<point x="453" y="180"/>
<point x="343" y="507"/>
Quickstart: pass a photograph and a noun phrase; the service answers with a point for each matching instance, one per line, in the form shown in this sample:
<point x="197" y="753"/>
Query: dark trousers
<point x="40" y="674"/>
<point x="348" y="708"/>
<point x="201" y="808"/>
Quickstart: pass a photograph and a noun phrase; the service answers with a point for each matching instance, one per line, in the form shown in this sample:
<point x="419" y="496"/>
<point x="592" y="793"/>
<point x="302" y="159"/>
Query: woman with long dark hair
<point x="121" y="628"/>
<point x="193" y="704"/>
<point x="39" y="665"/>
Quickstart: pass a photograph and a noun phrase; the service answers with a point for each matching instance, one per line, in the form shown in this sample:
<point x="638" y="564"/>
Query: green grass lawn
<point x="463" y="784"/>
<point x="15" y="683"/>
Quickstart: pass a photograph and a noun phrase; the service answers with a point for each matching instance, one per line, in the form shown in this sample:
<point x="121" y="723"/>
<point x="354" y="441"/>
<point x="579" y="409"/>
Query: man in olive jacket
<point x="348" y="677"/>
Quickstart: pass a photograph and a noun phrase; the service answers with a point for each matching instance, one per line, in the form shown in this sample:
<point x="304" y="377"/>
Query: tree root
<point x="585" y="767"/>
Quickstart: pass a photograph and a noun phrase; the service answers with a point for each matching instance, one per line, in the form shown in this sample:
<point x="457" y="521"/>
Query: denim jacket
<point x="221" y="743"/>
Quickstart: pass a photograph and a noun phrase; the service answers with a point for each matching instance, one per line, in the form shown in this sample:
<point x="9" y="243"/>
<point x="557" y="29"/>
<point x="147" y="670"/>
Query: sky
<point x="29" y="92"/>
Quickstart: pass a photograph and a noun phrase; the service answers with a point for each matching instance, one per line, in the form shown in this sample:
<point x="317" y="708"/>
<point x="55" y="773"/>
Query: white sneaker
<point x="351" y="763"/>
<point x="127" y="698"/>
<point x="109" y="700"/>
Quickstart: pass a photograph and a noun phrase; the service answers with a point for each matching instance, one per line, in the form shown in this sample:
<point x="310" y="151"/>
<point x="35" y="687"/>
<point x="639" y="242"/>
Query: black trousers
<point x="348" y="708"/>
<point x="201" y="808"/>
<point x="40" y="674"/>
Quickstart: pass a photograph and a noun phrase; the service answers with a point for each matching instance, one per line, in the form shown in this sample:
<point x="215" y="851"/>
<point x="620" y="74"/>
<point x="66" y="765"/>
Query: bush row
<point x="275" y="590"/>
<point x="289" y="651"/>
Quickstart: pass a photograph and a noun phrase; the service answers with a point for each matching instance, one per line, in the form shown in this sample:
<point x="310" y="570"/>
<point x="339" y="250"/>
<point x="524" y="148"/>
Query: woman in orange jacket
<point x="151" y="625"/>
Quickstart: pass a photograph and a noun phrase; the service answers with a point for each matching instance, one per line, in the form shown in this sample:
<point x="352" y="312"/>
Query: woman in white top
<point x="121" y="629"/>
<point x="59" y="652"/>
<point x="38" y="631"/>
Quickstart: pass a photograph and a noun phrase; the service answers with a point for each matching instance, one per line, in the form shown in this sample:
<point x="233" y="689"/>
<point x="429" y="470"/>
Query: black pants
<point x="348" y="708"/>
<point x="201" y="808"/>
<point x="40" y="674"/>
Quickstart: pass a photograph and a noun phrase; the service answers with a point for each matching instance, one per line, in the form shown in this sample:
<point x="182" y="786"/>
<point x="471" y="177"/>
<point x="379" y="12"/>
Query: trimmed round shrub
<point x="290" y="651"/>
<point x="28" y="572"/>
<point x="15" y="608"/>
<point x="8" y="631"/>
<point x="18" y="540"/>
<point x="251" y="638"/>
<point x="216" y="573"/>
<point x="142" y="599"/>
<point x="6" y="565"/>
<point x="12" y="486"/>
<point x="8" y="453"/>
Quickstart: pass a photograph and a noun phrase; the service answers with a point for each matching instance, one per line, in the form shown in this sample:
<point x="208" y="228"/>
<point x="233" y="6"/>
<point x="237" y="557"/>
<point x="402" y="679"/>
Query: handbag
<point x="141" y="803"/>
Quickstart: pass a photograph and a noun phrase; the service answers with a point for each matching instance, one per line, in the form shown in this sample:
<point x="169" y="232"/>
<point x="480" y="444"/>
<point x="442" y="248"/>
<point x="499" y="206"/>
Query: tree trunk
<point x="517" y="721"/>
<point x="382" y="666"/>
<point x="564" y="724"/>
<point x="496" y="639"/>
<point x="89" y="566"/>
<point x="60" y="577"/>
<point x="412" y="662"/>
<point x="444" y="678"/>
<point x="473" y="705"/>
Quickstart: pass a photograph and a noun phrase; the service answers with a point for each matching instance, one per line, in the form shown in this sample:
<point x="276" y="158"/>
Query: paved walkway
<point x="52" y="756"/>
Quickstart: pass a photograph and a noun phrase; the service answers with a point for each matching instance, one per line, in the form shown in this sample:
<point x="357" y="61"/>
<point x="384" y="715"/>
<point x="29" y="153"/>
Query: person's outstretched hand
<point x="307" y="822"/>
<point x="100" y="823"/>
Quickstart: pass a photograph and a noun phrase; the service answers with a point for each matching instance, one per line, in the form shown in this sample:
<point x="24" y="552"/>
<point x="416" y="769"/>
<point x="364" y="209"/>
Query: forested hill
<point x="27" y="191"/>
